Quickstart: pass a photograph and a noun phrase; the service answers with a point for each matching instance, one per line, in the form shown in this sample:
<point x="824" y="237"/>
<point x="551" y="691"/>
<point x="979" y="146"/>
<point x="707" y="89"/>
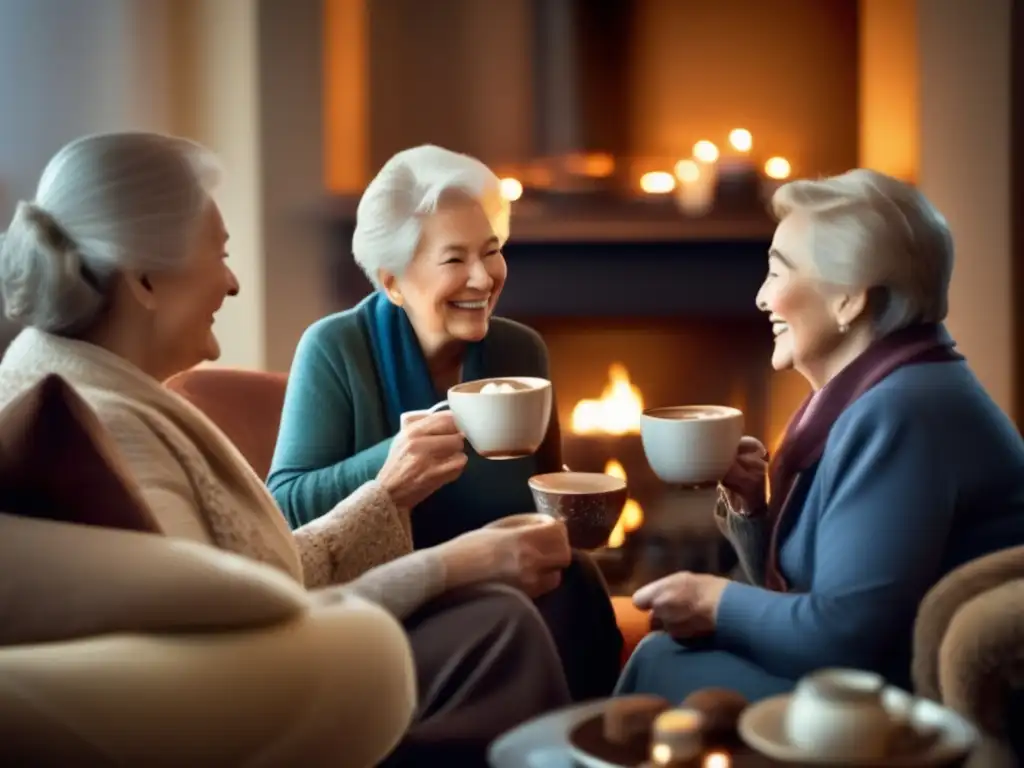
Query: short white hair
<point x="105" y="203"/>
<point x="872" y="232"/>
<point x="410" y="186"/>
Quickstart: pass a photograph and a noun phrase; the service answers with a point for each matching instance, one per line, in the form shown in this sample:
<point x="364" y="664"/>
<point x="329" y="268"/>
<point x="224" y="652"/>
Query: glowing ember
<point x="616" y="412"/>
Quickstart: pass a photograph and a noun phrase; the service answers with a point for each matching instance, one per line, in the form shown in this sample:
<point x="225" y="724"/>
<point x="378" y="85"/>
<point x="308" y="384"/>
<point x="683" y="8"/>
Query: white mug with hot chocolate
<point x="502" y="418"/>
<point x="691" y="445"/>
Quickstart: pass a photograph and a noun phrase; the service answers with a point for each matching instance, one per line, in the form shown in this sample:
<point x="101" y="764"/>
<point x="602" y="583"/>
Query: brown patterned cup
<point x="589" y="503"/>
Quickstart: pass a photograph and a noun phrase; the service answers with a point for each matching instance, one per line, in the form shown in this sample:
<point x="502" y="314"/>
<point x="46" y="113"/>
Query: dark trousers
<point x="581" y="620"/>
<point x="485" y="663"/>
<point x="487" y="660"/>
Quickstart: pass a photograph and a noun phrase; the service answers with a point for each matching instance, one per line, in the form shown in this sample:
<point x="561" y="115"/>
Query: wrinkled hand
<point x="685" y="603"/>
<point x="746" y="476"/>
<point x="529" y="557"/>
<point x="427" y="453"/>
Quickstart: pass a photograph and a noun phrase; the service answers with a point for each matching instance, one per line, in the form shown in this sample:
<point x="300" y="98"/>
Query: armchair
<point x="969" y="651"/>
<point x="124" y="648"/>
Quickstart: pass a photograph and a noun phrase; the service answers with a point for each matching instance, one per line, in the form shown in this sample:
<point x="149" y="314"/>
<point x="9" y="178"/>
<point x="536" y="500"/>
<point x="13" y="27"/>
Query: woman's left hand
<point x="685" y="603"/>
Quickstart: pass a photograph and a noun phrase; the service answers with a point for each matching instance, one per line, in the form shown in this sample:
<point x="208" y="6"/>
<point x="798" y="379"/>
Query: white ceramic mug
<point x="839" y="714"/>
<point x="498" y="424"/>
<point x="691" y="444"/>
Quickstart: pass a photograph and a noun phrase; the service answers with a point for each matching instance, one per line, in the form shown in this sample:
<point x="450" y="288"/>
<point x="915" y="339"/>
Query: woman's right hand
<point x="427" y="453"/>
<point x="746" y="477"/>
<point x="530" y="557"/>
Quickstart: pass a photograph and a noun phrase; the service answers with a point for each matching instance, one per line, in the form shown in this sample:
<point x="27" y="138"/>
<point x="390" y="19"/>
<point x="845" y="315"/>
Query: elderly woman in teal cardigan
<point x="429" y="232"/>
<point x="896" y="469"/>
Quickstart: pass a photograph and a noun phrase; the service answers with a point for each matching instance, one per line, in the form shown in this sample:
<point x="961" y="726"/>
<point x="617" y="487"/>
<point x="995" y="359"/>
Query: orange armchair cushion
<point x="633" y="623"/>
<point x="246" y="405"/>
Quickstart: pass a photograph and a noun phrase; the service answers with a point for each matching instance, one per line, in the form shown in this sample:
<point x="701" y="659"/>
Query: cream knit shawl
<point x="186" y="466"/>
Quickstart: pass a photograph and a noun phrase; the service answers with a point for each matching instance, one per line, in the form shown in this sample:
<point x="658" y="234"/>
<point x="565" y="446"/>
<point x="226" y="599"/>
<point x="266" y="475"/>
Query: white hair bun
<point x="42" y="278"/>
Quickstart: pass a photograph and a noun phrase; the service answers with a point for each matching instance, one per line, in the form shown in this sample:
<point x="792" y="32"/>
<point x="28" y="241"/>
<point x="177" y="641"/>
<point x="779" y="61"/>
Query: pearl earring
<point x="843" y="327"/>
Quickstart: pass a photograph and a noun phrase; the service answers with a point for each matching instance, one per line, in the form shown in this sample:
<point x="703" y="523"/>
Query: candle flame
<point x="705" y="151"/>
<point x="657" y="183"/>
<point x="741" y="139"/>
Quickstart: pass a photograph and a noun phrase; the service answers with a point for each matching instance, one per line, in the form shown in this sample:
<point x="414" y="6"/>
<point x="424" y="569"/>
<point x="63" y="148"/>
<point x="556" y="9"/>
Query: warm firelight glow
<point x="687" y="171"/>
<point x="596" y="165"/>
<point x="616" y="412"/>
<point x="717" y="760"/>
<point x="705" y="151"/>
<point x="657" y="183"/>
<point x="741" y="139"/>
<point x="511" y="189"/>
<point x="632" y="516"/>
<point x="777" y="168"/>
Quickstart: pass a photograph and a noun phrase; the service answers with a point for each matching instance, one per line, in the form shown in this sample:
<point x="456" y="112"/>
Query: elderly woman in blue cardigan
<point x="896" y="469"/>
<point x="429" y="232"/>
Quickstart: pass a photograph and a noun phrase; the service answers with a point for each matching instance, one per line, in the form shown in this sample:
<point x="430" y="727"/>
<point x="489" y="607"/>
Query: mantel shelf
<point x="641" y="222"/>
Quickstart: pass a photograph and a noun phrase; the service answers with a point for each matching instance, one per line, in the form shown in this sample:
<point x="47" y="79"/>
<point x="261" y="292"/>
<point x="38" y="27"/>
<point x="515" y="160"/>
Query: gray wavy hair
<point x="105" y="203"/>
<point x="872" y="232"/>
<point x="410" y="186"/>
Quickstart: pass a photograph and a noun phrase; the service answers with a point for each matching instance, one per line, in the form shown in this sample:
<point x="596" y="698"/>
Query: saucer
<point x="762" y="727"/>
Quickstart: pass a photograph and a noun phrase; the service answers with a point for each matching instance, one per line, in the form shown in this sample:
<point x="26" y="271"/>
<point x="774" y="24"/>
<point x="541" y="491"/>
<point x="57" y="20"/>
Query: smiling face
<point x="184" y="301"/>
<point x="811" y="320"/>
<point x="453" y="282"/>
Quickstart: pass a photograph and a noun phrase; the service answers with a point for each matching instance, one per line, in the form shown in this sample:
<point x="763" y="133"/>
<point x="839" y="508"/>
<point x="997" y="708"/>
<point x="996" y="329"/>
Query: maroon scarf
<point x="808" y="430"/>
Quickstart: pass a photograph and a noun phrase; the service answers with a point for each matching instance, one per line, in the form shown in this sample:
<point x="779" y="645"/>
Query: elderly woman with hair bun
<point x="896" y="469"/>
<point x="117" y="268"/>
<point x="429" y="232"/>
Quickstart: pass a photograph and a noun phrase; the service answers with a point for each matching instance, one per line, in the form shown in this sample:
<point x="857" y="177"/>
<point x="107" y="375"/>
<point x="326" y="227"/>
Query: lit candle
<point x="738" y="178"/>
<point x="695" y="188"/>
<point x="657" y="183"/>
<point x="777" y="171"/>
<point x="705" y="151"/>
<point x="741" y="140"/>
<point x="738" y="161"/>
<point x="676" y="737"/>
<point x="511" y="189"/>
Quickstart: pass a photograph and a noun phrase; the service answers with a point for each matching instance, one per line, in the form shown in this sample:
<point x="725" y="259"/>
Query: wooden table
<point x="542" y="743"/>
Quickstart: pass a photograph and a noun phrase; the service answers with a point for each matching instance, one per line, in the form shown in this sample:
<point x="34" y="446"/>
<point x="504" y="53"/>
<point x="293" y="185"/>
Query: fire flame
<point x="632" y="515"/>
<point x="616" y="412"/>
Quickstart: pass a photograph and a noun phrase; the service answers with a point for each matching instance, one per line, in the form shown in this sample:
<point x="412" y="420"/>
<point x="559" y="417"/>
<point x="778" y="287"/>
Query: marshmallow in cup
<point x="497" y="388"/>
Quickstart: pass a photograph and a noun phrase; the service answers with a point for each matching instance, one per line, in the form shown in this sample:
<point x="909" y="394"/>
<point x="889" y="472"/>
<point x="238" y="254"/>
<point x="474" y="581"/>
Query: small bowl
<point x="589" y="503"/>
